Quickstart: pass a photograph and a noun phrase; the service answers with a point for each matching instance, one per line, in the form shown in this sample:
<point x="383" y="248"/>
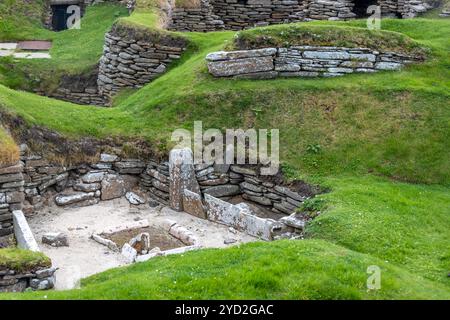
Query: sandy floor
<point x="85" y="257"/>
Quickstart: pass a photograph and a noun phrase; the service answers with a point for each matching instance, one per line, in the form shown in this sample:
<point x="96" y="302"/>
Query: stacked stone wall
<point x="237" y="14"/>
<point x="11" y="196"/>
<point x="303" y="61"/>
<point x="128" y="62"/>
<point x="200" y="19"/>
<point x="12" y="280"/>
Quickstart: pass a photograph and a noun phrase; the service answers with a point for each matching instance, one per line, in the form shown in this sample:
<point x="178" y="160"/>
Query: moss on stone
<point x="22" y="260"/>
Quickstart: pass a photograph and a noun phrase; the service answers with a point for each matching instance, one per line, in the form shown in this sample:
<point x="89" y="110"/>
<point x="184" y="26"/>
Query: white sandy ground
<point x="85" y="257"/>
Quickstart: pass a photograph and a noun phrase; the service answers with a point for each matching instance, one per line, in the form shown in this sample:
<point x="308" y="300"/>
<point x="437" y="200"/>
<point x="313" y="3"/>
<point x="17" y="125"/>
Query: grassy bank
<point x="363" y="136"/>
<point x="22" y="260"/>
<point x="9" y="152"/>
<point x="280" y="270"/>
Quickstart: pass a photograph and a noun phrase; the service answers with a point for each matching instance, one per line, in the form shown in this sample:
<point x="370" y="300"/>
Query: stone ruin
<point x="213" y="15"/>
<point x="304" y="61"/>
<point x="206" y="191"/>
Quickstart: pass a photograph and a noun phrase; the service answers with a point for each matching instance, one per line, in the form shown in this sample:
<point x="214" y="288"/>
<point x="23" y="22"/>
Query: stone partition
<point x="200" y="19"/>
<point x="18" y="281"/>
<point x="243" y="14"/>
<point x="303" y="61"/>
<point x="11" y="196"/>
<point x="330" y="9"/>
<point x="132" y="61"/>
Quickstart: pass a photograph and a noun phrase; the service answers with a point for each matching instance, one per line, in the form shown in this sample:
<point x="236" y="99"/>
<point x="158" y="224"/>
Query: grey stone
<point x="87" y="187"/>
<point x="240" y="66"/>
<point x="243" y="170"/>
<point x="388" y="66"/>
<point x="240" y="54"/>
<point x="93" y="177"/>
<point x="134" y="198"/>
<point x="113" y="186"/>
<point x="192" y="204"/>
<point x="129" y="253"/>
<point x="293" y="221"/>
<point x="45" y="273"/>
<point x="55" y="239"/>
<point x="331" y="55"/>
<point x="182" y="176"/>
<point x="223" y="190"/>
<point x="286" y="191"/>
<point x="64" y="200"/>
<point x="251" y="187"/>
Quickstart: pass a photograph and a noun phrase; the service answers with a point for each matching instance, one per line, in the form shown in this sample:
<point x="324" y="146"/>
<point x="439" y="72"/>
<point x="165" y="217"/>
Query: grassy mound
<point x="22" y="260"/>
<point x="9" y="152"/>
<point x="323" y="35"/>
<point x="73" y="52"/>
<point x="278" y="270"/>
<point x="333" y="132"/>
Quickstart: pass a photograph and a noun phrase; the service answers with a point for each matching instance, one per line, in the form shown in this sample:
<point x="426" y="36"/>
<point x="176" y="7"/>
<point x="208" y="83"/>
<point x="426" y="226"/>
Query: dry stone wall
<point x="200" y="19"/>
<point x="80" y="89"/>
<point x="132" y="62"/>
<point x="11" y="196"/>
<point x="36" y="182"/>
<point x="17" y="281"/>
<point x="243" y="14"/>
<point x="303" y="61"/>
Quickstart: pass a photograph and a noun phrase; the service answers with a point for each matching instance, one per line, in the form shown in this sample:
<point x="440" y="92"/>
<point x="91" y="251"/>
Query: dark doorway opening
<point x="60" y="16"/>
<point x="360" y="8"/>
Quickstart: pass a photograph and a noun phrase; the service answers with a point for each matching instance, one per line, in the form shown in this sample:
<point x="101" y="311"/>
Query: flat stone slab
<point x="36" y="45"/>
<point x="8" y="46"/>
<point x="6" y="53"/>
<point x="32" y="55"/>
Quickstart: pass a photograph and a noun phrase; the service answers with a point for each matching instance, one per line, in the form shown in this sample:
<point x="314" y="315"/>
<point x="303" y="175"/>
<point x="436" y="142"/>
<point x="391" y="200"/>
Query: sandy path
<point x="85" y="257"/>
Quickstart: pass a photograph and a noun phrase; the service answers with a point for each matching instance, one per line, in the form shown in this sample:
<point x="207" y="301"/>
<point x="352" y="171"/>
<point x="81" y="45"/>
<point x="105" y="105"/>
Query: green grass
<point x="407" y="225"/>
<point x="9" y="152"/>
<point x="285" y="35"/>
<point x="75" y="51"/>
<point x="22" y="260"/>
<point x="279" y="270"/>
<point x="361" y="123"/>
<point x="20" y="19"/>
<point x="333" y="132"/>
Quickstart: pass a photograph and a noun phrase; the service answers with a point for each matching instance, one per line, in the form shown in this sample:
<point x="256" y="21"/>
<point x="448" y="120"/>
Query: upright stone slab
<point x="182" y="176"/>
<point x="192" y="204"/>
<point x="22" y="231"/>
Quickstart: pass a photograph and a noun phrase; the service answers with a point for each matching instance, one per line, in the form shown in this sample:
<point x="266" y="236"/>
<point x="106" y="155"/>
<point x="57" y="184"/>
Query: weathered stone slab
<point x="93" y="177"/>
<point x="64" y="200"/>
<point x="182" y="176"/>
<point x="113" y="186"/>
<point x="225" y="190"/>
<point x="24" y="236"/>
<point x="192" y="204"/>
<point x="134" y="199"/>
<point x="240" y="66"/>
<point x="55" y="239"/>
<point x="240" y="54"/>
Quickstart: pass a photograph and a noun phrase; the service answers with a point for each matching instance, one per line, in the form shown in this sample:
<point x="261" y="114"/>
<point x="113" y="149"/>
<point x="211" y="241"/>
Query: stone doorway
<point x="59" y="12"/>
<point x="360" y="8"/>
<point x="59" y="17"/>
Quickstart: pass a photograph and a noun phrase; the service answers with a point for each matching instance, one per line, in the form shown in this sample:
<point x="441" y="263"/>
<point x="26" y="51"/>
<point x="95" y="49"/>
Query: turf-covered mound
<point x="277" y="270"/>
<point x="22" y="260"/>
<point x="9" y="152"/>
<point x="321" y="35"/>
